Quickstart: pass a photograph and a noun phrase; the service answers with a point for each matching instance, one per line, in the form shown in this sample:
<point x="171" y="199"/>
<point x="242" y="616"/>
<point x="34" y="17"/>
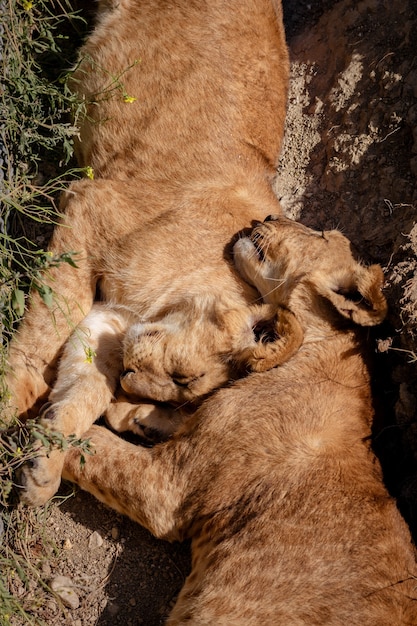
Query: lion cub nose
<point x="271" y="218"/>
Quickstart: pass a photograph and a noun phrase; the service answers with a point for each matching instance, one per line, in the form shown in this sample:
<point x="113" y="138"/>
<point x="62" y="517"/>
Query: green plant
<point x="38" y="121"/>
<point x="23" y="443"/>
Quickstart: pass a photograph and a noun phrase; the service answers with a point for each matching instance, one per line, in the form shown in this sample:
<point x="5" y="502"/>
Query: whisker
<point x="280" y="281"/>
<point x="185" y="403"/>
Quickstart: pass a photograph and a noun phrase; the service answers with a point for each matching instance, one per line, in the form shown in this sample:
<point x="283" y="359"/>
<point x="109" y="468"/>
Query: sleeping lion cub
<point x="274" y="479"/>
<point x="143" y="358"/>
<point x="185" y="113"/>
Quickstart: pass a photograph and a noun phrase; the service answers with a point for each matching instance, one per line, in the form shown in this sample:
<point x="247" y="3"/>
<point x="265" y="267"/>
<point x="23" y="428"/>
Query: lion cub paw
<point x="39" y="479"/>
<point x="150" y="422"/>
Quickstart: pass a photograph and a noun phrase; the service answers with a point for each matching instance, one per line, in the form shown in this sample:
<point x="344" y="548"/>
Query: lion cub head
<point x="185" y="356"/>
<point x="304" y="269"/>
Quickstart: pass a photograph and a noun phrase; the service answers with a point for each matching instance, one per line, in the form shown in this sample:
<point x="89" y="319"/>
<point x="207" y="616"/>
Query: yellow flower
<point x="89" y="172"/>
<point x="27" y="5"/>
<point x="89" y="354"/>
<point x="128" y="99"/>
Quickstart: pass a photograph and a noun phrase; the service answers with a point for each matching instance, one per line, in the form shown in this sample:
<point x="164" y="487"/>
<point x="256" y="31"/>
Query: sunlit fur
<point x="274" y="480"/>
<point x="185" y="104"/>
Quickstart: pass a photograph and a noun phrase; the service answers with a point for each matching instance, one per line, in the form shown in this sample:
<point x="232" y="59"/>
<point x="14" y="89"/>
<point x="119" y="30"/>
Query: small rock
<point x="95" y="541"/>
<point x="52" y="607"/>
<point x="46" y="569"/>
<point x="67" y="545"/>
<point x="115" y="533"/>
<point x="113" y="608"/>
<point x="383" y="345"/>
<point x="64" y="589"/>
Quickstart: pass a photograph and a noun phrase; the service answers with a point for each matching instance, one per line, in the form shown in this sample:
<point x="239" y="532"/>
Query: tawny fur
<point x="274" y="479"/>
<point x="185" y="112"/>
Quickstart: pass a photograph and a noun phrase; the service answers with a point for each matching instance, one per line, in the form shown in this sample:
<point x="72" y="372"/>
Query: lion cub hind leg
<point x="153" y="423"/>
<point x="87" y="378"/>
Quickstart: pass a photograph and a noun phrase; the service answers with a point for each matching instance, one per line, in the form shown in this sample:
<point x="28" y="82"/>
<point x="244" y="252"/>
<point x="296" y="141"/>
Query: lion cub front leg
<point x="146" y="485"/>
<point x="87" y="378"/>
<point x="152" y="422"/>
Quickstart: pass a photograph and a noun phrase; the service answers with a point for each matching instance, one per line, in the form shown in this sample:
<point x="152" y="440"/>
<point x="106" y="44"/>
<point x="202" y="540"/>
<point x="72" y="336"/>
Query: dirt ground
<point x="349" y="161"/>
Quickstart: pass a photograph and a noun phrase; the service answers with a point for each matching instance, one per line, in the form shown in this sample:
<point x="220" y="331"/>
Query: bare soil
<point x="349" y="161"/>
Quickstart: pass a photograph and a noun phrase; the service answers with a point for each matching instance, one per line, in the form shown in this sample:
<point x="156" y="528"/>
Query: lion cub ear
<point x="275" y="335"/>
<point x="357" y="295"/>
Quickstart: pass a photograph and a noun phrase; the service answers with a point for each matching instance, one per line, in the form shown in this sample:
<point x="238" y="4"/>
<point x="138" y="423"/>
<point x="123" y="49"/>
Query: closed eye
<point x="354" y="296"/>
<point x="126" y="372"/>
<point x="181" y="381"/>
